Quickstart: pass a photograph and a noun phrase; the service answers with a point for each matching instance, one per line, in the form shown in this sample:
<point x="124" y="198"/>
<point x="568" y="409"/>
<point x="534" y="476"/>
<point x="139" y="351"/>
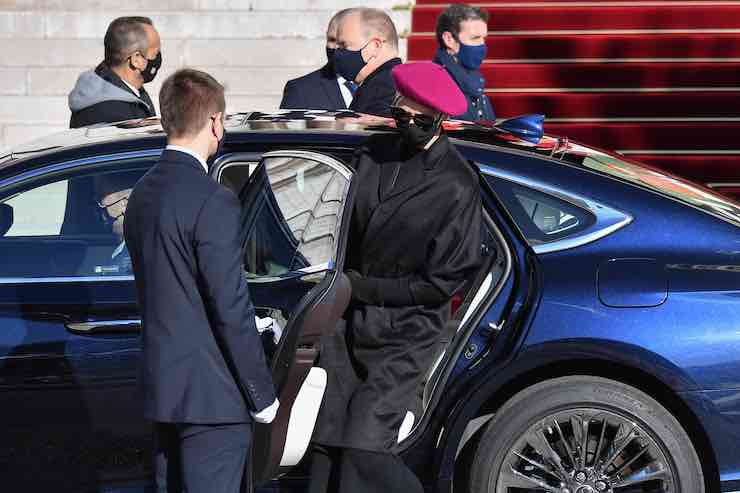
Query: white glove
<point x="269" y="323"/>
<point x="267" y="415"/>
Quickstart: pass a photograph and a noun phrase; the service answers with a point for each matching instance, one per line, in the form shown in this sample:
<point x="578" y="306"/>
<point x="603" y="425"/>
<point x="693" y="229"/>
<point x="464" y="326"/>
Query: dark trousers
<point x="346" y="470"/>
<point x="201" y="458"/>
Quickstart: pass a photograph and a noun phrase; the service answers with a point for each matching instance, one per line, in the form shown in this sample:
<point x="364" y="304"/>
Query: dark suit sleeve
<point x="291" y="97"/>
<point x="225" y="291"/>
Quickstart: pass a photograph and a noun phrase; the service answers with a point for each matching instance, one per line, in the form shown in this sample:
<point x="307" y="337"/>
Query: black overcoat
<point x="414" y="242"/>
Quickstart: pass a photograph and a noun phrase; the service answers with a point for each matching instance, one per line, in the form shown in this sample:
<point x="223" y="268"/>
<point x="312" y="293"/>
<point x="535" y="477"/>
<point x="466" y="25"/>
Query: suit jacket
<point x="100" y="96"/>
<point x="376" y="93"/>
<point x="318" y="90"/>
<point x="203" y="358"/>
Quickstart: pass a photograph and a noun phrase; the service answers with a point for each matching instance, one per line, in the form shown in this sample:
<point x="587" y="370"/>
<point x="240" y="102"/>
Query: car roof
<point x="135" y="132"/>
<point x="281" y="121"/>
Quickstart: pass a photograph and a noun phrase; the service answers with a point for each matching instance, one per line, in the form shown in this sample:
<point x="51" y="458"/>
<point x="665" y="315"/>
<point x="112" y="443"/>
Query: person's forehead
<point x="350" y="22"/>
<point x="473" y="27"/>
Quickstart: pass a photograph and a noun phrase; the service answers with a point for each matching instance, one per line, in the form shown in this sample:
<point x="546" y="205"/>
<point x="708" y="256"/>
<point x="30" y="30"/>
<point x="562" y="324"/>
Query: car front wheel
<point x="585" y="434"/>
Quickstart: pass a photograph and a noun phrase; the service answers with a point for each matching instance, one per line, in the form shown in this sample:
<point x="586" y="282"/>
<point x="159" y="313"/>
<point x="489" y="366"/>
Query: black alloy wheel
<point x="584" y="434"/>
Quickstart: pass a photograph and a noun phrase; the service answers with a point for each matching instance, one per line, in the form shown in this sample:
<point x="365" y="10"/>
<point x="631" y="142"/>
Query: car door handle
<point x="100" y="326"/>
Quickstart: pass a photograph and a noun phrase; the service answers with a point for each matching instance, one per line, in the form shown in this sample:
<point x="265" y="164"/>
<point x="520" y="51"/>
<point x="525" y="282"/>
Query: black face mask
<point x="151" y="69"/>
<point x="219" y="149"/>
<point x="418" y="133"/>
<point x="417" y="137"/>
<point x="330" y="57"/>
<point x="349" y="63"/>
<point x="107" y="219"/>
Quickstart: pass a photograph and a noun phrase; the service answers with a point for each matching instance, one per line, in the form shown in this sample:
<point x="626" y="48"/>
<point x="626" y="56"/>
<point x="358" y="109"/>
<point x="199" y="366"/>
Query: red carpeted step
<point x="567" y="17"/>
<point x="568" y="46"/>
<point x="622" y="75"/>
<point x="618" y="104"/>
<point x="704" y="168"/>
<point x="732" y="191"/>
<point x="652" y="135"/>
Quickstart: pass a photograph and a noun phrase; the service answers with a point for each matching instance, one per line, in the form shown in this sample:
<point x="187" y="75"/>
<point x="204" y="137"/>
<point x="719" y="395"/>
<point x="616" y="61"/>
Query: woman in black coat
<point x="414" y="242"/>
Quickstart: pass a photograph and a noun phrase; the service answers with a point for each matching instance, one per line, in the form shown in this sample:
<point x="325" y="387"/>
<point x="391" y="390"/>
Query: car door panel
<point x="72" y="419"/>
<point x="293" y="205"/>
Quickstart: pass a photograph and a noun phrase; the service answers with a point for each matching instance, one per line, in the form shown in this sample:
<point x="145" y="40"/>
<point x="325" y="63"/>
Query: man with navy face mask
<point x="461" y="36"/>
<point x="367" y="51"/>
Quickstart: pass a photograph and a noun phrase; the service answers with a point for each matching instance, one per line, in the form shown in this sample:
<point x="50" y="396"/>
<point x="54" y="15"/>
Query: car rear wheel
<point x="585" y="434"/>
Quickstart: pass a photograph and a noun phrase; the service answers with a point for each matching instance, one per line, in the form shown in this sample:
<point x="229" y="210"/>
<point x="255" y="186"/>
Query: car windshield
<point x="672" y="186"/>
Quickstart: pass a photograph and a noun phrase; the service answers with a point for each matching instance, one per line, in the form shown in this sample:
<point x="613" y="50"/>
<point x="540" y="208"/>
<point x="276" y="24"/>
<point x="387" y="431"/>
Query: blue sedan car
<point x="596" y="351"/>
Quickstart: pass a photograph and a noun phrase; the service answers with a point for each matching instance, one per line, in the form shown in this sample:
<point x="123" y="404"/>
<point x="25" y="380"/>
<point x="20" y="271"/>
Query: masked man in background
<point x="461" y="36"/>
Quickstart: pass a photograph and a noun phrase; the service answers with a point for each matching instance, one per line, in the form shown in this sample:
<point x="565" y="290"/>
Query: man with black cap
<point x="367" y="51"/>
<point x="414" y="242"/>
<point x="114" y="91"/>
<point x="322" y="89"/>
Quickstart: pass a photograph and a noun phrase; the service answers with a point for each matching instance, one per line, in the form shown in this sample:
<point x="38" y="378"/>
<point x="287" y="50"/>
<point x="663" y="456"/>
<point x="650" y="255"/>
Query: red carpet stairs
<point x="656" y="80"/>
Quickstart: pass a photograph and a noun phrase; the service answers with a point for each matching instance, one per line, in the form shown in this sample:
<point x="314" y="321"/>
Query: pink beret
<point x="429" y="84"/>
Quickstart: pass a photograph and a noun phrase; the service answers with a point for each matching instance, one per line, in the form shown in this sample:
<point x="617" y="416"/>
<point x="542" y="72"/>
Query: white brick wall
<point x="252" y="46"/>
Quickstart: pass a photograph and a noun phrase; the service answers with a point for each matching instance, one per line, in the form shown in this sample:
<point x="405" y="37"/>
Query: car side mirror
<point x="6" y="218"/>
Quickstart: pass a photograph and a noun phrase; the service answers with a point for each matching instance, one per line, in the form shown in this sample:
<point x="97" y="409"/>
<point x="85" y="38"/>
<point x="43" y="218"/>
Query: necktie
<point x="351" y="86"/>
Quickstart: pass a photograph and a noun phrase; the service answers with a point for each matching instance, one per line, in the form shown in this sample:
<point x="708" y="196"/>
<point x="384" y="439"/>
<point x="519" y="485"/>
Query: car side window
<point x="67" y="225"/>
<point x="542" y="217"/>
<point x="296" y="213"/>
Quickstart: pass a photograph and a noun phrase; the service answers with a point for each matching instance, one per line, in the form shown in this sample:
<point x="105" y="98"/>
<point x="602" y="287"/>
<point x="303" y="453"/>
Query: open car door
<point x="295" y="212"/>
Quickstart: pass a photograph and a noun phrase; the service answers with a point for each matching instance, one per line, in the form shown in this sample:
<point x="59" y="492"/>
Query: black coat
<point x="377" y="92"/>
<point x="108" y="100"/>
<point x="414" y="242"/>
<point x="318" y="90"/>
<point x="203" y="359"/>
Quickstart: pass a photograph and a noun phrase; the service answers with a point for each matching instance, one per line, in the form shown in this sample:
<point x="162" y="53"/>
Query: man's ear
<point x="137" y="61"/>
<point x="450" y="42"/>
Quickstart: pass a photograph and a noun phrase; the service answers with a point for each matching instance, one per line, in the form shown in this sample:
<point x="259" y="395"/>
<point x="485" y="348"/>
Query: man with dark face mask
<point x="114" y="91"/>
<point x="414" y="242"/>
<point x="367" y="51"/>
<point x="204" y="376"/>
<point x="322" y="89"/>
<point x="461" y="36"/>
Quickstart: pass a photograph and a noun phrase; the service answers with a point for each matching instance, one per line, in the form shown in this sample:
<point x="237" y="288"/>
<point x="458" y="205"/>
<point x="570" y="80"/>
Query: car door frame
<point x="282" y="371"/>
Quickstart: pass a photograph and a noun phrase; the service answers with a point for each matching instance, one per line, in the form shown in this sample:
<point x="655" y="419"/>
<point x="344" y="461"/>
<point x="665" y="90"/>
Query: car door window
<point x="294" y="224"/>
<point x="68" y="226"/>
<point x="542" y="217"/>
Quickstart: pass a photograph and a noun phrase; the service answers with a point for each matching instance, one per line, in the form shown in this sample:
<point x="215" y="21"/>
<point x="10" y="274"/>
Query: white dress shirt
<point x="267" y="415"/>
<point x="190" y="152"/>
<point x="136" y="91"/>
<point x="346" y="93"/>
<point x="118" y="250"/>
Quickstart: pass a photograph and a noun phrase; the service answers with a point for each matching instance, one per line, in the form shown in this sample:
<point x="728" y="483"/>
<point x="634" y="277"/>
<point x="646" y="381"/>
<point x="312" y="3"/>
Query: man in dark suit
<point x="322" y="89"/>
<point x="114" y="91"/>
<point x="367" y="51"/>
<point x="204" y="372"/>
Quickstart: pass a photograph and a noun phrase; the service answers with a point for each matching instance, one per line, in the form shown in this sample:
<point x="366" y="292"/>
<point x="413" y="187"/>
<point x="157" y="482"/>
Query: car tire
<point x="540" y="426"/>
